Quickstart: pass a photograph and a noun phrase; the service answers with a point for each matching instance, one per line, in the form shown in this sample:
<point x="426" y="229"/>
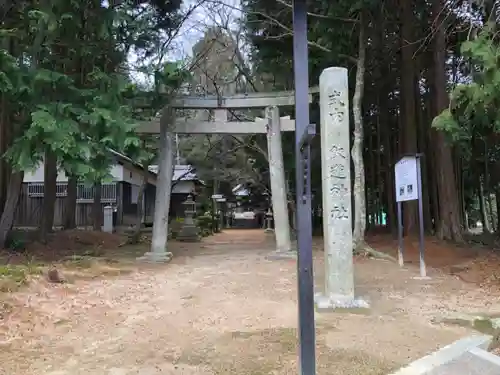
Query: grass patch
<point x="351" y="362"/>
<point x="127" y="252"/>
<point x="79" y="261"/>
<point x="481" y="323"/>
<point x="96" y="273"/>
<point x="12" y="277"/>
<point x="78" y="267"/>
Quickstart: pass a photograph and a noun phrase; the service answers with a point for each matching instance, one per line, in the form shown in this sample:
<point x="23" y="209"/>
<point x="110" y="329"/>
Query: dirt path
<point x="224" y="309"/>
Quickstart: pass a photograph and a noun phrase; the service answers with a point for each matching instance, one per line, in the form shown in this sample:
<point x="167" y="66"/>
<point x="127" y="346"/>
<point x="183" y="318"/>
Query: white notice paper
<point x="406" y="179"/>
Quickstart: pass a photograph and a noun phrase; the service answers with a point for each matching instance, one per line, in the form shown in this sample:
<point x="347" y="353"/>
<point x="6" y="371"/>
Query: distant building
<point x="122" y="192"/>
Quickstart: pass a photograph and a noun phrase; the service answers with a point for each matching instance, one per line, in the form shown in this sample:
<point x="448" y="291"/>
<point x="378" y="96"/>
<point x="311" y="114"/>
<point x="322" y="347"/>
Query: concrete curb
<point x="445" y="355"/>
<point x="487" y="356"/>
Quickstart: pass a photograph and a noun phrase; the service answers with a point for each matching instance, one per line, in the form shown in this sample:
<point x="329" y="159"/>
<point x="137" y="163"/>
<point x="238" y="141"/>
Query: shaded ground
<point x="74" y="251"/>
<point x="477" y="262"/>
<point x="221" y="308"/>
<point x="59" y="245"/>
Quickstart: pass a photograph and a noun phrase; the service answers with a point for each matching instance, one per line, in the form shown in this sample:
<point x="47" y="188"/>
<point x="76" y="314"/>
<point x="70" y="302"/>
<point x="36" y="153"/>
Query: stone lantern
<point x="189" y="231"/>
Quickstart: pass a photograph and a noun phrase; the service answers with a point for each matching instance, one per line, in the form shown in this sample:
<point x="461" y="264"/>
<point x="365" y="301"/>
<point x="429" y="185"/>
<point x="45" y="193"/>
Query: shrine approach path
<point x="220" y="307"/>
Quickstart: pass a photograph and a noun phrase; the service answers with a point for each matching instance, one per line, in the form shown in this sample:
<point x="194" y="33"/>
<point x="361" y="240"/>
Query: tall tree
<point x="448" y="222"/>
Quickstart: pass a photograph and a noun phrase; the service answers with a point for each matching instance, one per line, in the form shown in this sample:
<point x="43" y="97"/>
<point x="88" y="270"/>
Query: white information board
<point x="406" y="175"/>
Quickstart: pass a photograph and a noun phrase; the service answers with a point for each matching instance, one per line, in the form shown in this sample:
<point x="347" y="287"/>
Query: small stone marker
<point x="337" y="211"/>
<point x="269" y="221"/>
<point x="108" y="220"/>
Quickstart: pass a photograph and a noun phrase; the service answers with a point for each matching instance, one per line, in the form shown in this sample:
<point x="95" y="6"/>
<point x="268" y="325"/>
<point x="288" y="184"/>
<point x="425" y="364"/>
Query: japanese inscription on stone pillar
<point x="336" y="167"/>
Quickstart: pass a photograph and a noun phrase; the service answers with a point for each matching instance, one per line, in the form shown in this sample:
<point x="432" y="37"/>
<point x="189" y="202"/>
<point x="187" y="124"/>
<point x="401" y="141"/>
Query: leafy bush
<point x="205" y="223"/>
<point x="15" y="242"/>
<point x="175" y="227"/>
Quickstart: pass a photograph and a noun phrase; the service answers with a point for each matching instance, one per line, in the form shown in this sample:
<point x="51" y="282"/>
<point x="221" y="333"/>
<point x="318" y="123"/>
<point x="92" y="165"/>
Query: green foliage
<point x="175" y="227"/>
<point x="206" y="225"/>
<point x="473" y="111"/>
<point x="64" y="86"/>
<point x="171" y="75"/>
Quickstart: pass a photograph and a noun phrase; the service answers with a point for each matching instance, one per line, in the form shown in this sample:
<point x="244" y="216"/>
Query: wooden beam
<point x="189" y="126"/>
<point x="252" y="100"/>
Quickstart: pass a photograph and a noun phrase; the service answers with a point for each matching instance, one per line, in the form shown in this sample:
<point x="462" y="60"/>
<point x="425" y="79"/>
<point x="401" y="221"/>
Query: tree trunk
<point x="431" y="153"/>
<point x="389" y="147"/>
<point x="69" y="221"/>
<point x="460" y="187"/>
<point x="448" y="225"/>
<point x="135" y="237"/>
<point x="487" y="190"/>
<point x="370" y="185"/>
<point x="357" y="147"/>
<point x="4" y="143"/>
<point x="482" y="206"/>
<point x="425" y="121"/>
<point x="497" y="201"/>
<point x="11" y="202"/>
<point x="49" y="195"/>
<point x="491" y="215"/>
<point x="97" y="214"/>
<point x="408" y="112"/>
<point x="386" y="133"/>
<point x="379" y="180"/>
<point x="7" y="129"/>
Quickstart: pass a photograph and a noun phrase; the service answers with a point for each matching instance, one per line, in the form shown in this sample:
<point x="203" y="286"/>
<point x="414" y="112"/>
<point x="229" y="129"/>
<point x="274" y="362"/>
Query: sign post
<point x="408" y="180"/>
<point x="304" y="133"/>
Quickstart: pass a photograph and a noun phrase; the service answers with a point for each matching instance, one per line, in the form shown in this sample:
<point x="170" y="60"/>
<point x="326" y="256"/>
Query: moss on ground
<point x="274" y="351"/>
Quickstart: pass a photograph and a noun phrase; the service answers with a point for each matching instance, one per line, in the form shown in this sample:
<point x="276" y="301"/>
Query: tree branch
<point x="251" y="146"/>
<point x="349" y="20"/>
<point x="275" y="21"/>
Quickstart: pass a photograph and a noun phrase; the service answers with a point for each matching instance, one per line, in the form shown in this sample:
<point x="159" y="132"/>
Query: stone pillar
<point x="278" y="187"/>
<point x="158" y="251"/>
<point x="108" y="219"/>
<point x="336" y="184"/>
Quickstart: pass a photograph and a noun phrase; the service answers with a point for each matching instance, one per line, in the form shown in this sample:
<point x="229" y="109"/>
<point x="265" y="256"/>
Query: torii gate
<point x="273" y="125"/>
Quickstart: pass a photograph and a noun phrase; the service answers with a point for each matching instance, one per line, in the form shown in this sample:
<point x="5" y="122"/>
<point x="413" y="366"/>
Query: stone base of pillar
<point x="153" y="257"/>
<point x="282" y="254"/>
<point x="422" y="278"/>
<point x="339" y="302"/>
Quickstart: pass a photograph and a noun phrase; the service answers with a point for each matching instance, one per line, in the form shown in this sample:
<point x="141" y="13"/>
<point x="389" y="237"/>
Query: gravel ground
<point x="221" y="308"/>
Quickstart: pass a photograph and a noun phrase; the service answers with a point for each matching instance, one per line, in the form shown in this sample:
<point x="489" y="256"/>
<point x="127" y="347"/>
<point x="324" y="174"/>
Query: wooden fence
<point x="30" y="207"/>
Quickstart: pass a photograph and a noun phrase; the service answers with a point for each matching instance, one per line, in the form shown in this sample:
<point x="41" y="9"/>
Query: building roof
<point x="181" y="172"/>
<point x="240" y="190"/>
